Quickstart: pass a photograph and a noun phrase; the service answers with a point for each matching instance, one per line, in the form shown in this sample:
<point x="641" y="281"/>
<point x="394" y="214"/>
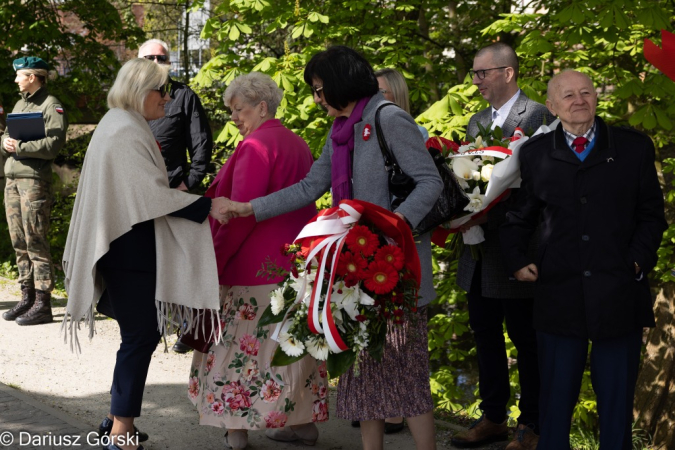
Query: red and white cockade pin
<point x="367" y="132"/>
<point x="58" y="109"/>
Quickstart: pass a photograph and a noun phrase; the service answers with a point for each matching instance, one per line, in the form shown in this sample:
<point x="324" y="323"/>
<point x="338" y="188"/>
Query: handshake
<point x="223" y="209"/>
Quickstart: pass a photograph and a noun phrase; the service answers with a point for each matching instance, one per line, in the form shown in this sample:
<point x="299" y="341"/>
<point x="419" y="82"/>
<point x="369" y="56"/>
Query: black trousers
<point x="486" y="317"/>
<point x="614" y="371"/>
<point x="132" y="298"/>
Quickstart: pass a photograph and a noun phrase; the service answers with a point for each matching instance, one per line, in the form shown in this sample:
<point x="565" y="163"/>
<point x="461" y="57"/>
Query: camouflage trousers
<point x="28" y="204"/>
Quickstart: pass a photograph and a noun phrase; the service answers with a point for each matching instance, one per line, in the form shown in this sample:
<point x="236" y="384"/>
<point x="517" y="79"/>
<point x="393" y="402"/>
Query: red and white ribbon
<point x="496" y="152"/>
<point x="328" y="232"/>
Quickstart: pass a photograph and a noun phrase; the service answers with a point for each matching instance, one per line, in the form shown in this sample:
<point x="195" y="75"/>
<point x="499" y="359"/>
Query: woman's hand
<point x="10" y="145"/>
<point x="219" y="210"/>
<point x="237" y="209"/>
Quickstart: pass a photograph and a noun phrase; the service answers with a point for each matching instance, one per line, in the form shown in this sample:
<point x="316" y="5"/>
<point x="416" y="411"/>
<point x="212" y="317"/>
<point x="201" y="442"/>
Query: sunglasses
<point x="159" y="58"/>
<point x="164" y="89"/>
<point x="317" y="90"/>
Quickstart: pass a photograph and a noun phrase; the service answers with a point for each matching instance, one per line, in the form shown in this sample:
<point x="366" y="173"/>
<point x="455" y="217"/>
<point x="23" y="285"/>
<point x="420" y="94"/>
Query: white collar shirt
<point x="499" y="115"/>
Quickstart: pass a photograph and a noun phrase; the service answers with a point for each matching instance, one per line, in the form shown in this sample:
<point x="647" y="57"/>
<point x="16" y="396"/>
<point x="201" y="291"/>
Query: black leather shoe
<point x="179" y="347"/>
<point x="391" y="428"/>
<point x="106" y="427"/>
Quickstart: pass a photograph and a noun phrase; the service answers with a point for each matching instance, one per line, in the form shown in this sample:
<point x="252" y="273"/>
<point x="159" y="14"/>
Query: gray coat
<point x="496" y="281"/>
<point x="370" y="178"/>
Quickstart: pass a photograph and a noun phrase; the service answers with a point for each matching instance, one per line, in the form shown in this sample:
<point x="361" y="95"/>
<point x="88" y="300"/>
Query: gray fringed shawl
<point x="124" y="182"/>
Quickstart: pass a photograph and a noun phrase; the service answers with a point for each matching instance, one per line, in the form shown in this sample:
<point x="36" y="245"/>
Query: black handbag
<point x="449" y="204"/>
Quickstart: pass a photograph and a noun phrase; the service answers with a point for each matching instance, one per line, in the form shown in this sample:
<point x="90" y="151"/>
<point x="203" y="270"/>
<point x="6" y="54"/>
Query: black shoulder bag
<point x="450" y="203"/>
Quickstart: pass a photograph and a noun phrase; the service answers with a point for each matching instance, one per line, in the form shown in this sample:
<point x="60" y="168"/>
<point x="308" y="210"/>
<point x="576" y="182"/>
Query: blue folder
<point x="26" y="126"/>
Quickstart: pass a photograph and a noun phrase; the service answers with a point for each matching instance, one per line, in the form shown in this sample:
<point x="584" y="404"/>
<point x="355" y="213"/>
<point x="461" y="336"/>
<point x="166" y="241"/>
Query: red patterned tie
<point x="579" y="144"/>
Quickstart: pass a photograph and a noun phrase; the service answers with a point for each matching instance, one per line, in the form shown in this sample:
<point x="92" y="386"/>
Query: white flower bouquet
<point x="354" y="269"/>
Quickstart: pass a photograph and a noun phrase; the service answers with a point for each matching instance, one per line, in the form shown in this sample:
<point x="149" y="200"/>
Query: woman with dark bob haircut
<point x="351" y="164"/>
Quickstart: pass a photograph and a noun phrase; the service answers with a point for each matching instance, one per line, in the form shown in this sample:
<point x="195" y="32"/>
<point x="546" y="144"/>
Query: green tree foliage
<point x="73" y="35"/>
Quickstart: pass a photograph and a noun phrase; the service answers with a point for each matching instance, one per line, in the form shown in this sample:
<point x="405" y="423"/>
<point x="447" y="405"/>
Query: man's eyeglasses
<point x="159" y="58"/>
<point x="164" y="89"/>
<point x="317" y="90"/>
<point x="481" y="73"/>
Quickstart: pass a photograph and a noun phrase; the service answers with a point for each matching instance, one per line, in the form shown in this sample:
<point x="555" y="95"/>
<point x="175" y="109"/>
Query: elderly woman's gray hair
<point x="254" y="88"/>
<point x="134" y="81"/>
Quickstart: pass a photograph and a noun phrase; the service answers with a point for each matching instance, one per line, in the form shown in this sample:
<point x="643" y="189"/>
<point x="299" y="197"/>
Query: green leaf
<point x="234" y="33"/>
<point x="339" y="363"/>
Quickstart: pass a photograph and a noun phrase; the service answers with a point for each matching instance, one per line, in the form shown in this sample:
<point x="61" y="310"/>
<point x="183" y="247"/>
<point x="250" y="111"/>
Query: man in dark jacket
<point x="595" y="191"/>
<point x="183" y="130"/>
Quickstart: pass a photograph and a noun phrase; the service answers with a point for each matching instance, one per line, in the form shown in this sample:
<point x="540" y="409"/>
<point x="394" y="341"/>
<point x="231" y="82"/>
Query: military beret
<point x="29" y="62"/>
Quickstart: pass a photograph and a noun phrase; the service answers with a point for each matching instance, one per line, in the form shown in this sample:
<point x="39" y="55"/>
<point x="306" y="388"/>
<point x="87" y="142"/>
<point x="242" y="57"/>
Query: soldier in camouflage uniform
<point x="28" y="192"/>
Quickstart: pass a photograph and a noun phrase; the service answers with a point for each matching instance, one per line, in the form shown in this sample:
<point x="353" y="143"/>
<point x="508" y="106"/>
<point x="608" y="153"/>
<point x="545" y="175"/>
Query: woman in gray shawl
<point x="135" y="242"/>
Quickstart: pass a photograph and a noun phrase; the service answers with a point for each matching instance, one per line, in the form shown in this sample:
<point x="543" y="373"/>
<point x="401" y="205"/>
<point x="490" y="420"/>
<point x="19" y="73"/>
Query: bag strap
<point x="389" y="159"/>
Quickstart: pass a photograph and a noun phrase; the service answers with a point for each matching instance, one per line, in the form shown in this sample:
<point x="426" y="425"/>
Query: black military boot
<point x="41" y="312"/>
<point x="27" y="300"/>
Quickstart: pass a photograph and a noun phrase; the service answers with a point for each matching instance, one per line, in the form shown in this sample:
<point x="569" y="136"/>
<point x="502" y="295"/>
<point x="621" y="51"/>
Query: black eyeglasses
<point x="317" y="90"/>
<point x="159" y="58"/>
<point x="481" y="73"/>
<point x="164" y="89"/>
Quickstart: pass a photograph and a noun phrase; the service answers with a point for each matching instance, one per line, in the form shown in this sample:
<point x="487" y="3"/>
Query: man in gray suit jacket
<point x="492" y="296"/>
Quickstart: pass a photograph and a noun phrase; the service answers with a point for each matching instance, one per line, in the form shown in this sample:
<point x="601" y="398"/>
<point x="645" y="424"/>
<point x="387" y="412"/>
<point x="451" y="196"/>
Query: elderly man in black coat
<point x="595" y="191"/>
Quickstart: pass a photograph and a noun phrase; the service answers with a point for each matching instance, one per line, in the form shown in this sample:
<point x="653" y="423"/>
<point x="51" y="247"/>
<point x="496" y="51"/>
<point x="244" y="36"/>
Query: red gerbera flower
<point x="391" y="254"/>
<point x="381" y="277"/>
<point x="361" y="240"/>
<point x="350" y="264"/>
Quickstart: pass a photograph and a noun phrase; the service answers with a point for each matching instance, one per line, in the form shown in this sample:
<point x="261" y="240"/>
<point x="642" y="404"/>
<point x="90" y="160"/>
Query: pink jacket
<point x="269" y="159"/>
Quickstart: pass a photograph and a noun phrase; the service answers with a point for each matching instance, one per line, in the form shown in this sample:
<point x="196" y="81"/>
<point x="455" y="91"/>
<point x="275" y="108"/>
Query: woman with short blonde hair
<point x="135" y="245"/>
<point x="135" y="80"/>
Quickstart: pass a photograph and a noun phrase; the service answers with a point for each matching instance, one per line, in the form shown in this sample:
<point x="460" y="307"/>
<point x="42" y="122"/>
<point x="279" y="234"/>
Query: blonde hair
<point x="254" y="88"/>
<point x="133" y="83"/>
<point x="398" y="86"/>
<point x="41" y="74"/>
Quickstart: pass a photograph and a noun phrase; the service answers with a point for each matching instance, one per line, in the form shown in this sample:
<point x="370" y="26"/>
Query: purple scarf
<point x="343" y="148"/>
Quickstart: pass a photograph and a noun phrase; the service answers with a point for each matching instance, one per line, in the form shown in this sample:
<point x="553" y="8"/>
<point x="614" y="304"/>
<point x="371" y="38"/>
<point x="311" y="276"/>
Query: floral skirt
<point x="233" y="385"/>
<point x="397" y="386"/>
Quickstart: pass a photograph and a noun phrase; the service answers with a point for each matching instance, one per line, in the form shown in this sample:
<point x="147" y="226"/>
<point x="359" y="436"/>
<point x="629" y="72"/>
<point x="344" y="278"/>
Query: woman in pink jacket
<point x="233" y="385"/>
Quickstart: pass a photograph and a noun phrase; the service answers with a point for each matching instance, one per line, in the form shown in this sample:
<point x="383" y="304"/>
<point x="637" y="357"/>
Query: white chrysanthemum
<point x="317" y="347"/>
<point x="486" y="172"/>
<point x="290" y="345"/>
<point x="476" y="200"/>
<point x="277" y="300"/>
<point x="463" y="168"/>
